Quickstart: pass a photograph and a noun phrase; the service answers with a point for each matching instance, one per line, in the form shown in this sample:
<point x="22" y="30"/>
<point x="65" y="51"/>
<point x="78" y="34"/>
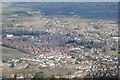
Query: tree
<point x="52" y="78"/>
<point x="39" y="76"/>
<point x="3" y="76"/>
<point x="12" y="64"/>
<point x="15" y="76"/>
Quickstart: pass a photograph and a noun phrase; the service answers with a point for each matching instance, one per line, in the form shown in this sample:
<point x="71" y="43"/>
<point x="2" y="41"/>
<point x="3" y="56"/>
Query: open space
<point x="8" y="53"/>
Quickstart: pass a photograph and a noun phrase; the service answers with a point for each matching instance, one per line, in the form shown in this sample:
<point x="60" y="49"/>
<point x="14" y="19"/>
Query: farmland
<point x="8" y="53"/>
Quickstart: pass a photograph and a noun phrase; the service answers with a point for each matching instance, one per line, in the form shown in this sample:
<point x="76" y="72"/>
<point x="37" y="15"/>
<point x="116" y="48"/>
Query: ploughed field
<point x="8" y="53"/>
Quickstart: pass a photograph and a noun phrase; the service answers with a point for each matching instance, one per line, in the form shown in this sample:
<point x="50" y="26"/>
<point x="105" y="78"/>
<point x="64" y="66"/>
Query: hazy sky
<point x="59" y="0"/>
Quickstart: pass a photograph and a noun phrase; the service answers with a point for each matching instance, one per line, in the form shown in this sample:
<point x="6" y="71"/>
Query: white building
<point x="9" y="35"/>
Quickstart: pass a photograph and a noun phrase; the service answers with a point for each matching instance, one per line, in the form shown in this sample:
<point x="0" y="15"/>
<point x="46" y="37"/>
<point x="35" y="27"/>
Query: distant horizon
<point x="60" y="1"/>
<point x="106" y="11"/>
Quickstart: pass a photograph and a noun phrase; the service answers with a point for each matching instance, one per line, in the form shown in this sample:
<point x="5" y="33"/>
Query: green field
<point x="112" y="53"/>
<point x="8" y="53"/>
<point x="11" y="28"/>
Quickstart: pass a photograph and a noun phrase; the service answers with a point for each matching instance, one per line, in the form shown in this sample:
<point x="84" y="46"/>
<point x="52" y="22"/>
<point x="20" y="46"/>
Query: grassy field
<point x="112" y="53"/>
<point x="11" y="28"/>
<point x="8" y="53"/>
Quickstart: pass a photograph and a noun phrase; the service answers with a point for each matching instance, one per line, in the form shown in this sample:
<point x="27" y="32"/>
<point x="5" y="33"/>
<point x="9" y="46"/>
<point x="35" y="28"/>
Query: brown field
<point x="8" y="53"/>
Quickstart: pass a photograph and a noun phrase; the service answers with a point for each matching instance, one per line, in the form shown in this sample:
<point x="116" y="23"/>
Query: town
<point x="63" y="47"/>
